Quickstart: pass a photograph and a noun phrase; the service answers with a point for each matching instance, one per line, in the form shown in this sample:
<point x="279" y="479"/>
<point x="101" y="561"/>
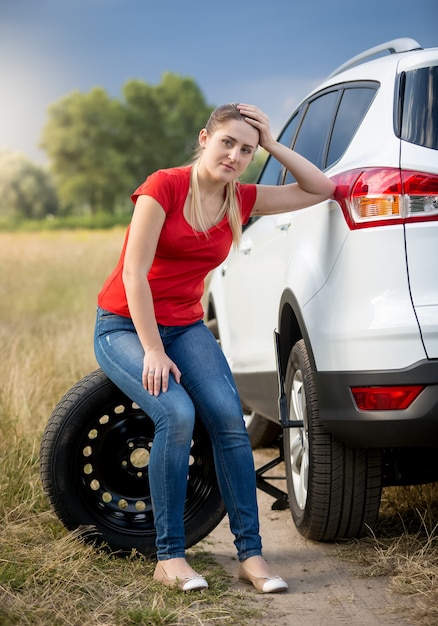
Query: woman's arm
<point x="312" y="184"/>
<point x="147" y="222"/>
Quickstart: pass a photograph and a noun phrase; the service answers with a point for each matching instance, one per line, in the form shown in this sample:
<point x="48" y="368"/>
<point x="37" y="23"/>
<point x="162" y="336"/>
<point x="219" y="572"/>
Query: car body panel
<point x="368" y="320"/>
<point x="422" y="252"/>
<point x="258" y="267"/>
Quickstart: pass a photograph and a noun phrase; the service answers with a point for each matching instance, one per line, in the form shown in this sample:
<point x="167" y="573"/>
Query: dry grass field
<point x="48" y="288"/>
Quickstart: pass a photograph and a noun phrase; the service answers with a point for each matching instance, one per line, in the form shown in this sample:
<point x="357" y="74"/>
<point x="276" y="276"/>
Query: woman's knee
<point x="177" y="422"/>
<point x="224" y="421"/>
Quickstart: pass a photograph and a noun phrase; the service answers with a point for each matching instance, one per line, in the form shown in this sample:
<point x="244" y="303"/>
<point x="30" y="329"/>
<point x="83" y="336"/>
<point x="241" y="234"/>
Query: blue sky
<point x="269" y="52"/>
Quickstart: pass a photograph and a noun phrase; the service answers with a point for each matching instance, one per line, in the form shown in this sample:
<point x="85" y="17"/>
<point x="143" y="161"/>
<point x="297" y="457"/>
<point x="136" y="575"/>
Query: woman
<point x="151" y="341"/>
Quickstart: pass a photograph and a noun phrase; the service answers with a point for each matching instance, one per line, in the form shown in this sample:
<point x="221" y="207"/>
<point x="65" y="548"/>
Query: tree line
<point x="101" y="148"/>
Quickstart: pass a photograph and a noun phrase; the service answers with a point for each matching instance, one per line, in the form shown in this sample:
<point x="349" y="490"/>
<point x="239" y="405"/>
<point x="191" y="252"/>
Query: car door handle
<point x="283" y="226"/>
<point x="245" y="247"/>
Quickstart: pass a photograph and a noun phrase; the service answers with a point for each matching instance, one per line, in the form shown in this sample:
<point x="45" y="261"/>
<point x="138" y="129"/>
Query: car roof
<point x="394" y="46"/>
<point x="406" y="53"/>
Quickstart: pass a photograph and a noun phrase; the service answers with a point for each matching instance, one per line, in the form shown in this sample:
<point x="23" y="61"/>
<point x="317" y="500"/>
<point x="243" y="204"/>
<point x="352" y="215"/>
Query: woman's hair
<point x="230" y="206"/>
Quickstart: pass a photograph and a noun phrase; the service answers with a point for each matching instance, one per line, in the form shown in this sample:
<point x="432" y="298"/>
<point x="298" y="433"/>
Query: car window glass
<point x="420" y="107"/>
<point x="312" y="137"/>
<point x="353" y="106"/>
<point x="272" y="171"/>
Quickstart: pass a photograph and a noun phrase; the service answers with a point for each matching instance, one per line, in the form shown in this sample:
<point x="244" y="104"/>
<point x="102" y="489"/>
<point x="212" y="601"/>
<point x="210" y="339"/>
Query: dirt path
<point x="323" y="589"/>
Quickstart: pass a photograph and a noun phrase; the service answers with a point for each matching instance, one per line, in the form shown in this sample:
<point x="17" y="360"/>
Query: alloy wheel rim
<point x="299" y="443"/>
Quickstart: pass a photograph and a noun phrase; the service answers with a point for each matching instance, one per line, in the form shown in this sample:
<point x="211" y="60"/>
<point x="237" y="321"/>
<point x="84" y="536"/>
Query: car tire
<point x="334" y="491"/>
<point x="94" y="470"/>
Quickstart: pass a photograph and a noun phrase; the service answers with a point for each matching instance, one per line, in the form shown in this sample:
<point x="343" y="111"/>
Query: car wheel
<point x="94" y="469"/>
<point x="334" y="491"/>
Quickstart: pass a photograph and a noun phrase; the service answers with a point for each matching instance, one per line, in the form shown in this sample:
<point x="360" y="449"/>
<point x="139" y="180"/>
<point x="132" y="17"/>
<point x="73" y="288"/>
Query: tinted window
<point x="312" y="138"/>
<point x="353" y="106"/>
<point x="272" y="171"/>
<point x="420" y="107"/>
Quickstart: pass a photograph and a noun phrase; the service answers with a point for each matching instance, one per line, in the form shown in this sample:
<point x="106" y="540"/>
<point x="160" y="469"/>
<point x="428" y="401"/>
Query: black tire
<point x="334" y="491"/>
<point x="94" y="470"/>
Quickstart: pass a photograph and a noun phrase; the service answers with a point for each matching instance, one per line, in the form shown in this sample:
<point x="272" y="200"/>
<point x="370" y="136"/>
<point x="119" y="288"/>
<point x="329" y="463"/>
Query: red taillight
<point x="385" y="398"/>
<point x="382" y="196"/>
<point x="420" y="192"/>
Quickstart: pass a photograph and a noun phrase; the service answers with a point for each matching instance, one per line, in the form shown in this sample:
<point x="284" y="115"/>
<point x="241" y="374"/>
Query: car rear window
<point x="420" y="107"/>
<point x="332" y="120"/>
<point x="313" y="135"/>
<point x="353" y="106"/>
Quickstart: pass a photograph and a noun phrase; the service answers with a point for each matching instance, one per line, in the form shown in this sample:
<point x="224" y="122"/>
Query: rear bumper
<point x="417" y="426"/>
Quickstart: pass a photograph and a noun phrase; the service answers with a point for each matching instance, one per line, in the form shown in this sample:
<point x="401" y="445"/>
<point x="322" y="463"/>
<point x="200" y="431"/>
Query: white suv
<point x="351" y="287"/>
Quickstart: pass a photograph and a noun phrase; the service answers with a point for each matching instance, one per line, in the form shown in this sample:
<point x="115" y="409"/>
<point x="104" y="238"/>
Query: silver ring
<point x="151" y="372"/>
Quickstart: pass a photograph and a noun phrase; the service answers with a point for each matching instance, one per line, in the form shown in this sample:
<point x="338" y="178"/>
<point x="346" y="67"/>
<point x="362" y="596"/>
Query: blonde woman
<point x="151" y="341"/>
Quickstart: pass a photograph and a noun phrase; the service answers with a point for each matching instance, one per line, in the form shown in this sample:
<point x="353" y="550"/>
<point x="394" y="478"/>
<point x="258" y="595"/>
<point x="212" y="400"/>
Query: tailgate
<point x="422" y="250"/>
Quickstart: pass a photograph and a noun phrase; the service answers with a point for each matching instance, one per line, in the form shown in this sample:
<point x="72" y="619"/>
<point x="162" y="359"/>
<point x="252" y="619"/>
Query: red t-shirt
<point x="183" y="257"/>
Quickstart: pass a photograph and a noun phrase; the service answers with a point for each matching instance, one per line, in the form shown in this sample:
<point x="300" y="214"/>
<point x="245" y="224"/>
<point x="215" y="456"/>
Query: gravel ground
<point x="324" y="590"/>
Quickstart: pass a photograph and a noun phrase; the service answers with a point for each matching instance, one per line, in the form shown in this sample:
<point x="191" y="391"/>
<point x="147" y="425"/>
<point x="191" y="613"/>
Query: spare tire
<point x="94" y="470"/>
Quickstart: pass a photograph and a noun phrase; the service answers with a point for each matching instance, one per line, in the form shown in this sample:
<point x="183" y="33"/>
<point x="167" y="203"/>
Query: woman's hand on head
<point x="156" y="370"/>
<point x="257" y="118"/>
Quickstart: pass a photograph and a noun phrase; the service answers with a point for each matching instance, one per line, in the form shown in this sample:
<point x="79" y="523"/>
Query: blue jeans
<point x="207" y="390"/>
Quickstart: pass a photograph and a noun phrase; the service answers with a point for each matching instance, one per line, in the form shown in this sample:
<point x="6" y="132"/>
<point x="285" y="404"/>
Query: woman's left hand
<point x="257" y="118"/>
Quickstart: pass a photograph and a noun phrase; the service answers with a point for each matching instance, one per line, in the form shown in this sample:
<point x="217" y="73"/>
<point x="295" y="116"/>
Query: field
<point x="48" y="288"/>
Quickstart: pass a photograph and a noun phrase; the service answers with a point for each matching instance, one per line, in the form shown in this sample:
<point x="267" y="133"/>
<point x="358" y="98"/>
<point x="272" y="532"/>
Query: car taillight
<point x="394" y="398"/>
<point x="382" y="196"/>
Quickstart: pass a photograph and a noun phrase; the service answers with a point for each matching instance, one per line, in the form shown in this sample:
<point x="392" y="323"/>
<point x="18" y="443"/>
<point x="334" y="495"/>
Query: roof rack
<point x="395" y="45"/>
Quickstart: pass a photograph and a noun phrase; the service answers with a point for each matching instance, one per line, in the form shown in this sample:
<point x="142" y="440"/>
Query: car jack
<point x="281" y="499"/>
<point x="283" y="413"/>
<point x="282" y="502"/>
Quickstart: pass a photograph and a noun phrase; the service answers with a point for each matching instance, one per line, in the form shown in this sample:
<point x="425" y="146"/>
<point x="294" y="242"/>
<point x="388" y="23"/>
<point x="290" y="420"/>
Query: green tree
<point x="251" y="174"/>
<point x="83" y="141"/>
<point x="161" y="123"/>
<point x="101" y="149"/>
<point x="142" y="131"/>
<point x="26" y="189"/>
<point x="184" y="112"/>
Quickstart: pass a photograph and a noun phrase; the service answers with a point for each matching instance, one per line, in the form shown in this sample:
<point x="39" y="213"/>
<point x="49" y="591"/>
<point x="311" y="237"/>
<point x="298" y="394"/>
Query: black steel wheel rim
<point x="110" y="469"/>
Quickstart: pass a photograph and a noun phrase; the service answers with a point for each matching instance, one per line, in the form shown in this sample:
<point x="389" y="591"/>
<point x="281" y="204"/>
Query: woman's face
<point x="228" y="150"/>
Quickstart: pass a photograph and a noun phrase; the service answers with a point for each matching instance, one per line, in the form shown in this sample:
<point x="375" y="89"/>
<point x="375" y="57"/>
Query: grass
<point x="48" y="287"/>
<point x="405" y="549"/>
<point x="49" y="577"/>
